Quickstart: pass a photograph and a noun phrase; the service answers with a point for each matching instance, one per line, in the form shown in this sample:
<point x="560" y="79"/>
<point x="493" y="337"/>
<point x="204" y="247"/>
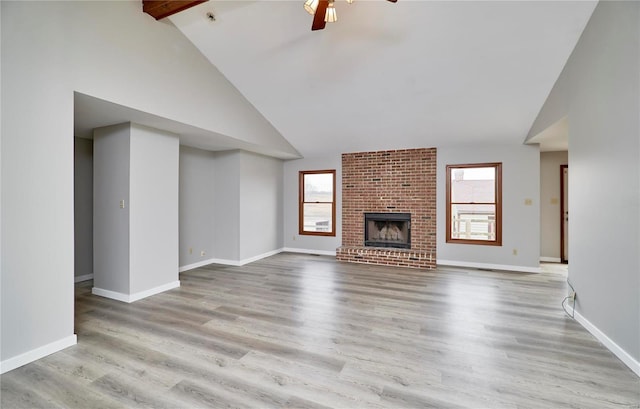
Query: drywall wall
<point x="550" y="197"/>
<point x="110" y="220"/>
<point x="197" y="211"/>
<point x="153" y="220"/>
<point x="230" y="206"/>
<point x="520" y="222"/>
<point x="135" y="210"/>
<point x="555" y="107"/>
<point x="601" y="92"/>
<point x="261" y="190"/>
<point x="172" y="78"/>
<point x="2" y="316"/>
<point x="226" y="232"/>
<point x="37" y="189"/>
<point x="139" y="63"/>
<point x="314" y="244"/>
<point x="83" y="207"/>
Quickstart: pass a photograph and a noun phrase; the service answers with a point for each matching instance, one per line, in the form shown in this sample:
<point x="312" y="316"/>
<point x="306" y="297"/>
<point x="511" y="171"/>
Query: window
<point x="317" y="212"/>
<point x="474" y="210"/>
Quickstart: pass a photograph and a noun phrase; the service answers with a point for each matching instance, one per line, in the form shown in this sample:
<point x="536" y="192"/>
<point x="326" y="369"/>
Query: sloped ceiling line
<point x="430" y="73"/>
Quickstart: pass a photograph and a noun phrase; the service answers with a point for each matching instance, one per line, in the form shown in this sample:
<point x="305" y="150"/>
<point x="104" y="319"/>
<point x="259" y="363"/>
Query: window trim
<point x="498" y="203"/>
<point x="301" y="203"/>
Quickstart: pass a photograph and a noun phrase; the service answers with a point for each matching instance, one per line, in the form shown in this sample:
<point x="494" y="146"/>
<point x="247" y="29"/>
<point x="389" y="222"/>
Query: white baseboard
<point x="628" y="360"/>
<point x="153" y="291"/>
<point x="227" y="262"/>
<point x="550" y="259"/>
<point x="522" y="269"/>
<point x="85" y="277"/>
<point x="238" y="263"/>
<point x="260" y="256"/>
<point x="198" y="264"/>
<point x="110" y="294"/>
<point x="129" y="298"/>
<point x="38" y="353"/>
<point x="309" y="251"/>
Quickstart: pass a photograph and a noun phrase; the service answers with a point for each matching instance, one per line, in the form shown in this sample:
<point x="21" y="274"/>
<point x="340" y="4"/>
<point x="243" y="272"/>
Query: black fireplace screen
<point x="387" y="230"/>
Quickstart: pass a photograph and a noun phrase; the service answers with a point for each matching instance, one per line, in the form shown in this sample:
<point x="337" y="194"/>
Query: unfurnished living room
<point x="320" y="204"/>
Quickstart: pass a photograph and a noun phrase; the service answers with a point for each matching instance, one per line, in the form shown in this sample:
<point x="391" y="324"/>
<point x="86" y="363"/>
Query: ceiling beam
<point x="160" y="9"/>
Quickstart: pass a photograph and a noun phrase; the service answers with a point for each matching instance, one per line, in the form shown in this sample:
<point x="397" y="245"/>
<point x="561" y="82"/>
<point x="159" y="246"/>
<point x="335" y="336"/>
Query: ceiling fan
<point x="323" y="12"/>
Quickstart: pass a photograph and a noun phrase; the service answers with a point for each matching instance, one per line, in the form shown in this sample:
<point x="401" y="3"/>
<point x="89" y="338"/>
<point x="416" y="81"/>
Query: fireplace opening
<point x="387" y="230"/>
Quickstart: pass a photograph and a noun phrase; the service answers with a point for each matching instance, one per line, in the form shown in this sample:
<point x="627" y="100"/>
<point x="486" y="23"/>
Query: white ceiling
<point x="554" y="138"/>
<point x="385" y="76"/>
<point x="91" y="112"/>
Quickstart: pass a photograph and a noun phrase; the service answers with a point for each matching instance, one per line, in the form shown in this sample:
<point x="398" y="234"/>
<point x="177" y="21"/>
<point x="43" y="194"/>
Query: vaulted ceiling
<point x="385" y="76"/>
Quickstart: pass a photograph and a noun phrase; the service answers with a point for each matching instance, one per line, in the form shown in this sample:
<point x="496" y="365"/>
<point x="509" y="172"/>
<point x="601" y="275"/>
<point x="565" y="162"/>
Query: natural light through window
<point x="474" y="214"/>
<point x="317" y="202"/>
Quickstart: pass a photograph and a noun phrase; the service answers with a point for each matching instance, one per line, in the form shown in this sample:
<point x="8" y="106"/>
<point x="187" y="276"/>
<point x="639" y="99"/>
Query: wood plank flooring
<point x="301" y="331"/>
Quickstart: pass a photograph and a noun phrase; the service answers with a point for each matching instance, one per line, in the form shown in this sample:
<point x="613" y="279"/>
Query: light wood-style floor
<point x="309" y="332"/>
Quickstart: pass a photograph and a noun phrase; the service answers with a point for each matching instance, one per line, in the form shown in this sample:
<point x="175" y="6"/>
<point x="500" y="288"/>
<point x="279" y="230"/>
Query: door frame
<point x="563" y="259"/>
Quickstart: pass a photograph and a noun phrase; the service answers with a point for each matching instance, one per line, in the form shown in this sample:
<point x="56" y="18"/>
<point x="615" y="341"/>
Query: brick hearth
<point x="398" y="181"/>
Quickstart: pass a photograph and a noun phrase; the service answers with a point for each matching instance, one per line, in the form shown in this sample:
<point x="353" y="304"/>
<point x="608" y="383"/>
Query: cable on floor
<point x="566" y="299"/>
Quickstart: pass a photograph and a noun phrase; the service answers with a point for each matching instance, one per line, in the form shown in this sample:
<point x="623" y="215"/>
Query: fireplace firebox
<point x="387" y="230"/>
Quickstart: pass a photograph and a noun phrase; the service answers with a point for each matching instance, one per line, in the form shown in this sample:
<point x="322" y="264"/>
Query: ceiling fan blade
<point x="318" y="18"/>
<point x="393" y="1"/>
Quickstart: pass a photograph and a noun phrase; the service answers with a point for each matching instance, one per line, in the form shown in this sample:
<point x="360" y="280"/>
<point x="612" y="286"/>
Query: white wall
<point x="230" y="206"/>
<point x="520" y="222"/>
<point x="37" y="210"/>
<point x="147" y="65"/>
<point x="314" y="244"/>
<point x="136" y="246"/>
<point x="83" y="205"/>
<point x="153" y="209"/>
<point x="603" y="152"/>
<point x="111" y="239"/>
<point x="600" y="90"/>
<point x="2" y="316"/>
<point x="109" y="50"/>
<point x="197" y="211"/>
<point x="550" y="196"/>
<point x="261" y="214"/>
<point x="226" y="232"/>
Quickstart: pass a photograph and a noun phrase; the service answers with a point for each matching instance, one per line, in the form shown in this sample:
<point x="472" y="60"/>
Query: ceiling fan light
<point x="330" y="16"/>
<point x="311" y="6"/>
<point x="349" y="1"/>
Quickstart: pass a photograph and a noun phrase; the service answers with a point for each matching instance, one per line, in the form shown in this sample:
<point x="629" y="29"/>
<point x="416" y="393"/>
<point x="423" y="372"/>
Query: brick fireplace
<point x="396" y="181"/>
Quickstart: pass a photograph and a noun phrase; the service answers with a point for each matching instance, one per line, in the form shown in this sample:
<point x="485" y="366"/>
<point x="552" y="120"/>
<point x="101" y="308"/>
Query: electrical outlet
<point x="515" y="252"/>
<point x="572" y="296"/>
<point x="202" y="253"/>
<point x="190" y="250"/>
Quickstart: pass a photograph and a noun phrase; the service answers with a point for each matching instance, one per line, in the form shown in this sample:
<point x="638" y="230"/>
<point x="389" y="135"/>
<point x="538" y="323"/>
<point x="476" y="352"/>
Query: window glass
<point x="473" y="203"/>
<point x="317" y="202"/>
